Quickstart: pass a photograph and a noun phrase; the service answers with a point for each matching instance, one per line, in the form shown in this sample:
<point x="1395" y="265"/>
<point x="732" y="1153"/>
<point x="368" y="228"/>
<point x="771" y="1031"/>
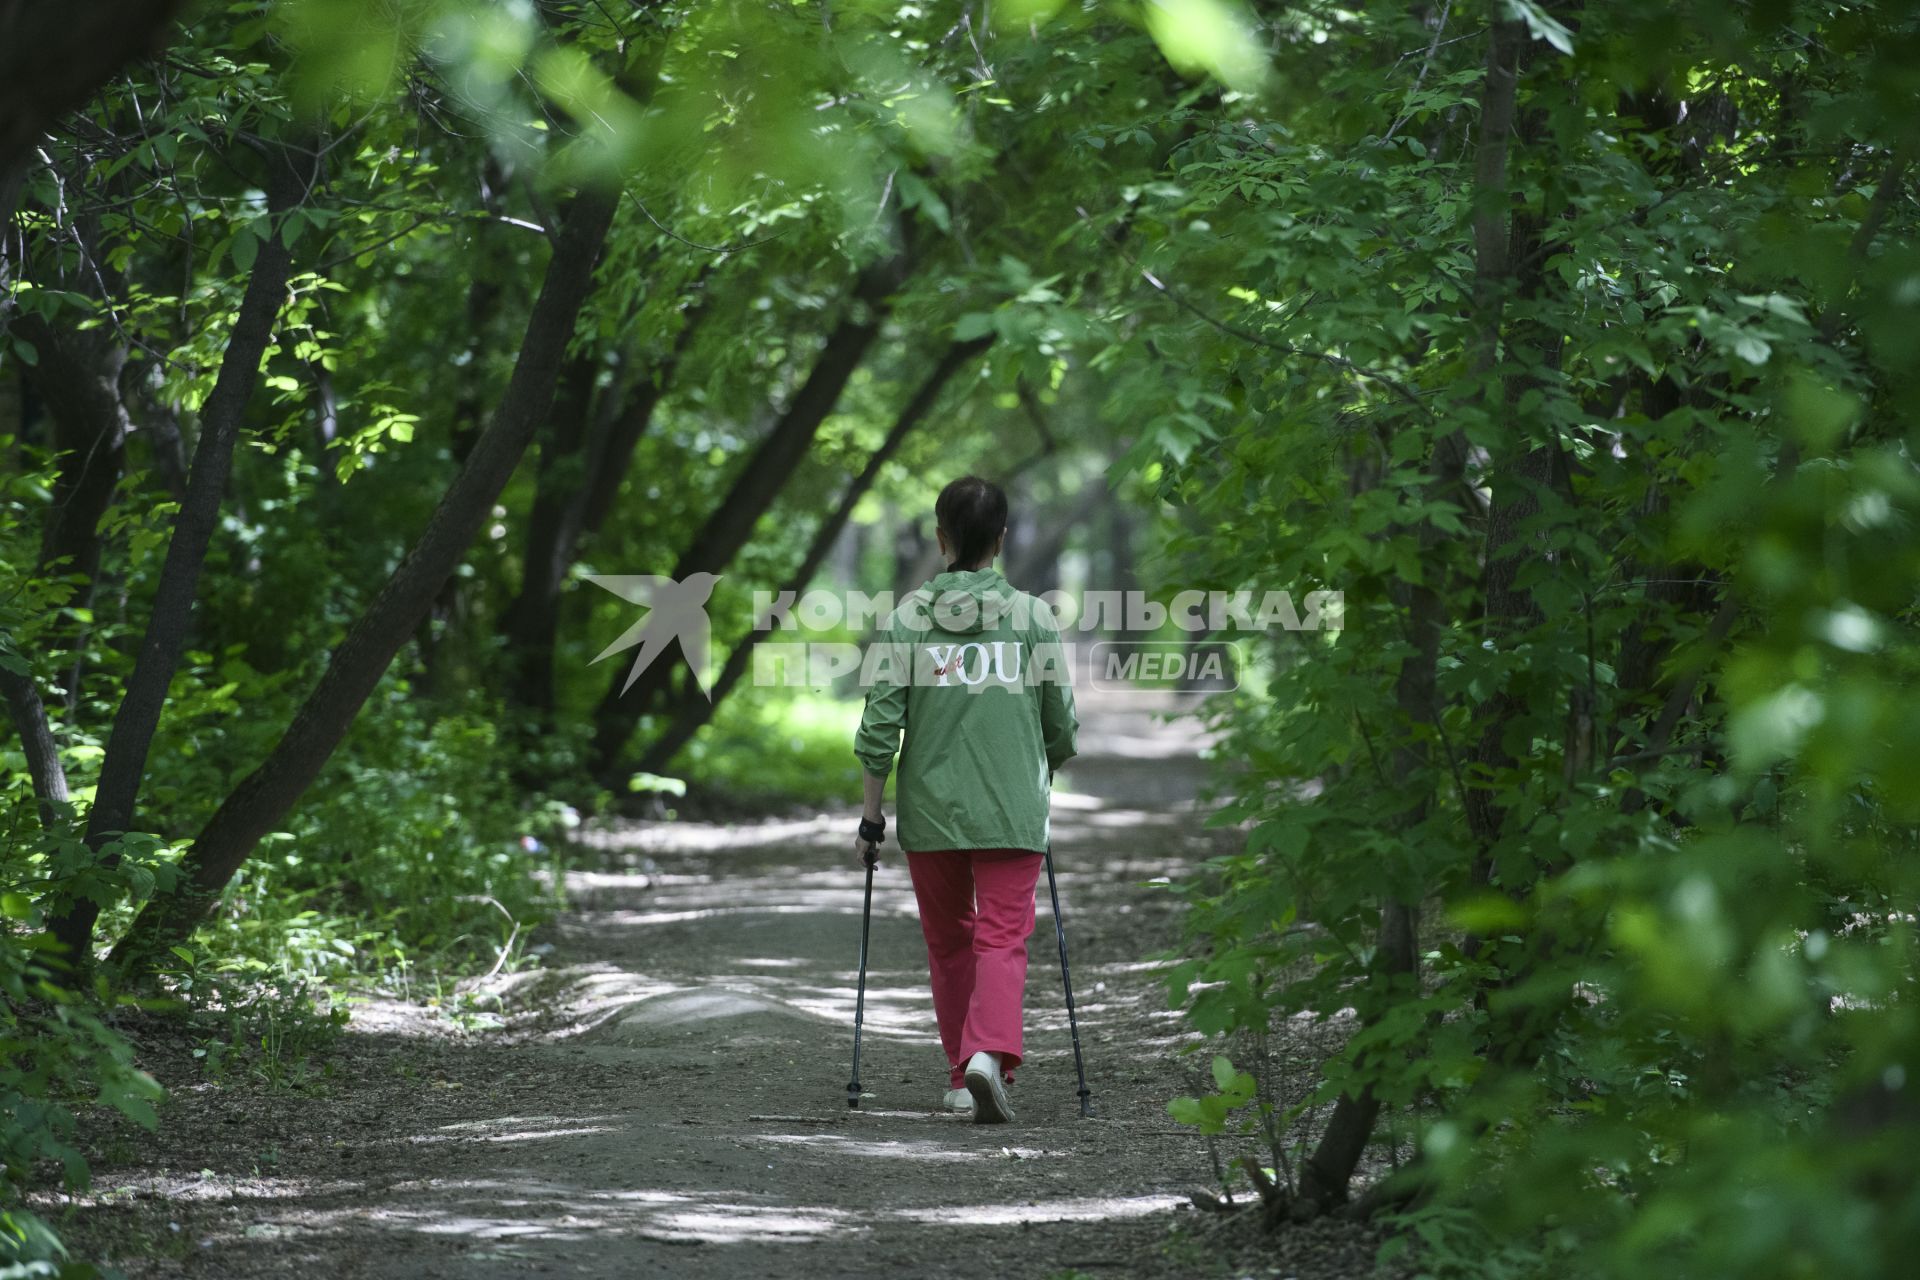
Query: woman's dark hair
<point x="973" y="512"/>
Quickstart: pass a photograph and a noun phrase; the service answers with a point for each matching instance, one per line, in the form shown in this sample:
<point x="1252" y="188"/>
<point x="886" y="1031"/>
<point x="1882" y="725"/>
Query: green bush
<point x="793" y="745"/>
<point x="58" y="1057"/>
<point x="414" y="850"/>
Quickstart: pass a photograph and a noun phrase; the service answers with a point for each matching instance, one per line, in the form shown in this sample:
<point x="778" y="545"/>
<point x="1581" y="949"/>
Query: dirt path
<point x="668" y="1097"/>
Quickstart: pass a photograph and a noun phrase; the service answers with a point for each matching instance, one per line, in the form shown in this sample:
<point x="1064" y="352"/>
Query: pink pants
<point x="976" y="910"/>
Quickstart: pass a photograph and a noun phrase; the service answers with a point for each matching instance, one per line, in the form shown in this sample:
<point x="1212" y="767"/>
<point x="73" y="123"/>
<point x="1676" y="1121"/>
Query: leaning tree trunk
<point x="694" y="711"/>
<point x="759" y="483"/>
<point x="575" y="491"/>
<point x="265" y="797"/>
<point x="527" y="622"/>
<point x="485" y="291"/>
<point x="125" y="763"/>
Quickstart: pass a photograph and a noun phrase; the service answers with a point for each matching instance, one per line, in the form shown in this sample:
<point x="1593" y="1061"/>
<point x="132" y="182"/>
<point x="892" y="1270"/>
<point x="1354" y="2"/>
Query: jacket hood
<point x="964" y="602"/>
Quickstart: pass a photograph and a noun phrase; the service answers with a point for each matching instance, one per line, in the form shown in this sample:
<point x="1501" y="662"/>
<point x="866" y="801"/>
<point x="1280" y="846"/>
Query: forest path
<point x="702" y="1000"/>
<point x="668" y="1096"/>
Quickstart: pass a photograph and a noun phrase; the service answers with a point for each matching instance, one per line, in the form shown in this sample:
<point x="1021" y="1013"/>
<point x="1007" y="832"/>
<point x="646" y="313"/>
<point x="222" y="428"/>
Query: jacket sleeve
<point x="1059" y="726"/>
<point x="885" y="715"/>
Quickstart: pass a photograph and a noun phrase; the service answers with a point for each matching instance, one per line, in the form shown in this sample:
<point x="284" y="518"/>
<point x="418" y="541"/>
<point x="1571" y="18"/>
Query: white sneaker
<point x="990" y="1104"/>
<point x="959" y="1100"/>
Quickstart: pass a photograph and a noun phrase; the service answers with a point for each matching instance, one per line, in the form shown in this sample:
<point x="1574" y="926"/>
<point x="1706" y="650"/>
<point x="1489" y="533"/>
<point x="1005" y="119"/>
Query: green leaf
<point x="916" y="194"/>
<point x="139" y="880"/>
<point x="245" y="248"/>
<point x="975" y="324"/>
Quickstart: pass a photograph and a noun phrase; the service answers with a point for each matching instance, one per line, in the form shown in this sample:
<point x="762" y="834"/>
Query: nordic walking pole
<point x="860" y="999"/>
<point x="1066" y="980"/>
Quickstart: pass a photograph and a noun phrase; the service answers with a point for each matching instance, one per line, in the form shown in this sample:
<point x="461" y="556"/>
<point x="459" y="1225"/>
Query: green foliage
<point x="1649" y="793"/>
<point x="1449" y="1243"/>
<point x="1209" y="1113"/>
<point x="765" y="155"/>
<point x="58" y="1057"/>
<point x="414" y="854"/>
<point x="270" y="1027"/>
<point x="1609" y="452"/>
<point x="811" y="764"/>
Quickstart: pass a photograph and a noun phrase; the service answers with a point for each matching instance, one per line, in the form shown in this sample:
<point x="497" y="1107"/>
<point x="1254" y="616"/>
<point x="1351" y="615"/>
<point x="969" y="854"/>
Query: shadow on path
<point x="668" y="1097"/>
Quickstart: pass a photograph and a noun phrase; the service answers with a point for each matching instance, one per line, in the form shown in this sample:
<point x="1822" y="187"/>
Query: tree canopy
<point x="1575" y="346"/>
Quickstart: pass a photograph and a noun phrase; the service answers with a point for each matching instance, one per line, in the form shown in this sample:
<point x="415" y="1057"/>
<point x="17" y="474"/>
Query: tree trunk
<point x="1493" y="227"/>
<point x="612" y="453"/>
<point x="159" y="427"/>
<point x="1036" y="566"/>
<point x="570" y="504"/>
<point x="29" y="717"/>
<point x="263" y="799"/>
<point x="78" y="378"/>
<point x="53" y="57"/>
<point x="913" y="551"/>
<point x="484" y="293"/>
<point x="1326" y="1175"/>
<point x="1523" y="466"/>
<point x="766" y="473"/>
<point x="695" y="711"/>
<point x="528" y="622"/>
<point x="125" y="762"/>
<point x="13" y="183"/>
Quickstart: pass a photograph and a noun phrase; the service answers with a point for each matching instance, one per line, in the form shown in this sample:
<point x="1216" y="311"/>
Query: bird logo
<point x="675" y="611"/>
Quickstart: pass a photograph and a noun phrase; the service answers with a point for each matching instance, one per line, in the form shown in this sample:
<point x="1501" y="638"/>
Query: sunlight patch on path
<point x="1085" y="1209"/>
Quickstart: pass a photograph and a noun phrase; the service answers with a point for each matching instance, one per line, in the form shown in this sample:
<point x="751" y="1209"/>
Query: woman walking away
<point x="974" y="674"/>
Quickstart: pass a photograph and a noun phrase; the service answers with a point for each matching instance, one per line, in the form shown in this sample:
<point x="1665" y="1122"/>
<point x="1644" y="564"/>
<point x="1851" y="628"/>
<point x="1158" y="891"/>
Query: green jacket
<point x="974" y="674"/>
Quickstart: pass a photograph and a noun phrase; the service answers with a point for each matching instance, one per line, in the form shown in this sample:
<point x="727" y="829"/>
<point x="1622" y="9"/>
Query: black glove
<point x="875" y="834"/>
